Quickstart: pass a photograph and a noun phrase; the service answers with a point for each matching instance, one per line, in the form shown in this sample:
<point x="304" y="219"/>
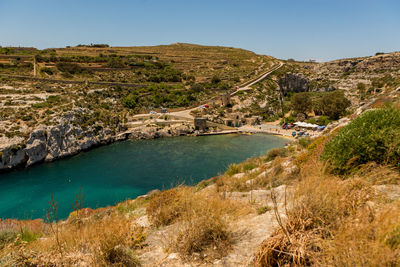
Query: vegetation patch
<point x="372" y="137"/>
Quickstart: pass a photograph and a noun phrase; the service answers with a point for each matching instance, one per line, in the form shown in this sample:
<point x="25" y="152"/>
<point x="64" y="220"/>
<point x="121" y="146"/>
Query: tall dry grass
<point x="336" y="222"/>
<point x="202" y="220"/>
<point x="107" y="241"/>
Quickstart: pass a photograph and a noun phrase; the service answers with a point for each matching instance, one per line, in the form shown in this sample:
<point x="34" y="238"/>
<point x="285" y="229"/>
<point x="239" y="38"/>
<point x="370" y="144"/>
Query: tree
<point x="301" y="103"/>
<point x="334" y="104"/>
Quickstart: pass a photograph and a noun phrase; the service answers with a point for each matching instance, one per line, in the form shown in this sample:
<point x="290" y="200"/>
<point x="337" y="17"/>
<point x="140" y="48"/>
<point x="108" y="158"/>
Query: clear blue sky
<point x="300" y="29"/>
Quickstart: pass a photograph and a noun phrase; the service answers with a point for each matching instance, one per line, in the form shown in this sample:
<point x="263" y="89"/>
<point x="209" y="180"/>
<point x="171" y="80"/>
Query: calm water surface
<point x="123" y="170"/>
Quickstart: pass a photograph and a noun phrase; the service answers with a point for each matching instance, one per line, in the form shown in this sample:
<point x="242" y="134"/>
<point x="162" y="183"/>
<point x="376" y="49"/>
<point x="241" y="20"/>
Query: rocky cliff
<point x="68" y="137"/>
<point x="47" y="143"/>
<point x="293" y="83"/>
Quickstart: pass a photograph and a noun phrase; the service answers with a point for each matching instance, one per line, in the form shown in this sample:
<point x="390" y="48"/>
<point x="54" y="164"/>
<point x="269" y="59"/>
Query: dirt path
<point x="248" y="232"/>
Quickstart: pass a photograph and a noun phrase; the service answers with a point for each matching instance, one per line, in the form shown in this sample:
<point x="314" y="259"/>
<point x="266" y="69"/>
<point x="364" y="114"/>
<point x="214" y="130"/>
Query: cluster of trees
<point x="331" y="104"/>
<point x="167" y="74"/>
<point x="160" y="95"/>
<point x="94" y="45"/>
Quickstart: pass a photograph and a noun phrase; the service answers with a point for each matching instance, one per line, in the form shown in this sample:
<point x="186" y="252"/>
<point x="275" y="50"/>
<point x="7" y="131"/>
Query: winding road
<point x="245" y="87"/>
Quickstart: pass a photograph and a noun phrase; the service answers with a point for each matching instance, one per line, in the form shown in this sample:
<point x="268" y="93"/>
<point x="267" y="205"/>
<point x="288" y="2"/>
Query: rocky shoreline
<point x="68" y="138"/>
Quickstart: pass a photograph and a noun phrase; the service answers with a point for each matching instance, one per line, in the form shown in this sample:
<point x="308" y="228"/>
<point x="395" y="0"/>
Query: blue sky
<point x="300" y="29"/>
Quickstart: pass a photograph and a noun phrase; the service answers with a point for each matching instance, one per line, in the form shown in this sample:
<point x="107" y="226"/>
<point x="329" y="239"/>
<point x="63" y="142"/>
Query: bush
<point x="233" y="169"/>
<point x="115" y="63"/>
<point x="323" y="120"/>
<point x="305" y="142"/>
<point x="166" y="207"/>
<point x="215" y="79"/>
<point x="70" y="68"/>
<point x="275" y="152"/>
<point x="130" y="101"/>
<point x="205" y="233"/>
<point x="372" y="137"/>
<point x="196" y="88"/>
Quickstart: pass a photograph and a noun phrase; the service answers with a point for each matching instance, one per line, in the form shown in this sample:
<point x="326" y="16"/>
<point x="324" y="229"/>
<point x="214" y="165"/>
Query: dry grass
<point x="335" y="222"/>
<point x="205" y="230"/>
<point x="370" y="239"/>
<point x="168" y="206"/>
<point x="109" y="241"/>
<point x="320" y="205"/>
<point x="378" y="174"/>
<point x="201" y="220"/>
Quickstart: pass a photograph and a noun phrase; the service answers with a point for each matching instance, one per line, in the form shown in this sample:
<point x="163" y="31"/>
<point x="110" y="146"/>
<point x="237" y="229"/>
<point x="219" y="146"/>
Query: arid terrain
<point x="329" y="198"/>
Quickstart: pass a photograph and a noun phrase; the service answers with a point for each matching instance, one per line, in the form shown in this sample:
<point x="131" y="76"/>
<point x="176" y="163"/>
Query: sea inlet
<point x="124" y="170"/>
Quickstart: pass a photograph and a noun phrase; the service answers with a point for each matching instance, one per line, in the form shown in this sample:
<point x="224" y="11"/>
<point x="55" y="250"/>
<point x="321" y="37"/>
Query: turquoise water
<point x="110" y="174"/>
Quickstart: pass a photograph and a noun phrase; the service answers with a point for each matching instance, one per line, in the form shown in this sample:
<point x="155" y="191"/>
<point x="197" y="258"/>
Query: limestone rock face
<point x="12" y="155"/>
<point x="36" y="151"/>
<point x="47" y="143"/>
<point x="293" y="83"/>
<point x="68" y="137"/>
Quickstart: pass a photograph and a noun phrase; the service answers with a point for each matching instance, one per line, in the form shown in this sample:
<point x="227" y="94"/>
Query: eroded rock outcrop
<point x="293" y="83"/>
<point x="47" y="143"/>
<point x="69" y="136"/>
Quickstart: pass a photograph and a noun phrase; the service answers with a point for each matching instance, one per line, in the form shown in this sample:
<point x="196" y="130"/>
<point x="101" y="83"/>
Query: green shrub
<point x="233" y="169"/>
<point x="69" y="68"/>
<point x="215" y="79"/>
<point x="263" y="210"/>
<point x="301" y="103"/>
<point x="305" y="142"/>
<point x="115" y="63"/>
<point x="323" y="120"/>
<point x="130" y="101"/>
<point x="28" y="235"/>
<point x="372" y="137"/>
<point x="275" y="152"/>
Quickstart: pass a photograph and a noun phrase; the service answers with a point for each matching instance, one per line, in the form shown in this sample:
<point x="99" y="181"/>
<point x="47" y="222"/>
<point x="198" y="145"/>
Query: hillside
<point x="289" y="207"/>
<point x="88" y="95"/>
<point x="328" y="199"/>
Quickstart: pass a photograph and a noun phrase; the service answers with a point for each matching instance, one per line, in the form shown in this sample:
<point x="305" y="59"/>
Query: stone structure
<point x="225" y="99"/>
<point x="200" y="124"/>
<point x="234" y="120"/>
<point x="254" y="120"/>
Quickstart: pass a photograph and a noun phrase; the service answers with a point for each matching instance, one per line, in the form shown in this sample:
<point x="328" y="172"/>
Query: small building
<point x="200" y="124"/>
<point x="234" y="120"/>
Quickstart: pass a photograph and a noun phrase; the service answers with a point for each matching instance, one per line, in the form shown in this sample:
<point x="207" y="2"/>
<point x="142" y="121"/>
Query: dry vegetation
<point x="334" y="222"/>
<point x="202" y="220"/>
<point x="322" y="219"/>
